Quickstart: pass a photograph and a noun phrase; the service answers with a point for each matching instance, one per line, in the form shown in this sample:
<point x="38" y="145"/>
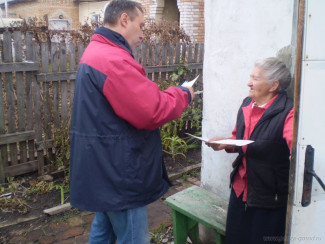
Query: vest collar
<point x="276" y="107"/>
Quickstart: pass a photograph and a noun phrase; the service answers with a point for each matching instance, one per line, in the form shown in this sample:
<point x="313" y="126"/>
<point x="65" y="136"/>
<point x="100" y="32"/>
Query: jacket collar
<point x="115" y="37"/>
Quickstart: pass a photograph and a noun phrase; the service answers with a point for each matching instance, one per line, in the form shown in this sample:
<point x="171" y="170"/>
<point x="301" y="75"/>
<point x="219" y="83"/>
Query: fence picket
<point x="156" y="61"/>
<point x="189" y="56"/>
<point x="37" y="99"/>
<point x="18" y="47"/>
<point x="29" y="46"/>
<point x="46" y="92"/>
<point x="64" y="85"/>
<point x="201" y="53"/>
<point x="136" y="54"/>
<point x="144" y="54"/>
<point x="183" y="51"/>
<point x="7" y="56"/>
<point x="2" y="109"/>
<point x="196" y="50"/>
<point x="164" y="61"/>
<point x="46" y="100"/>
<point x="54" y="57"/>
<point x="171" y="54"/>
<point x="81" y="49"/>
<point x="20" y="86"/>
<point x="178" y="53"/>
<point x="38" y="115"/>
<point x="55" y="84"/>
<point x="29" y="94"/>
<point x="72" y="54"/>
<point x="150" y="60"/>
<point x="2" y="170"/>
<point x="150" y="57"/>
<point x="199" y="71"/>
<point x="3" y="148"/>
<point x="72" y="66"/>
<point x="36" y="53"/>
<point x="7" y="48"/>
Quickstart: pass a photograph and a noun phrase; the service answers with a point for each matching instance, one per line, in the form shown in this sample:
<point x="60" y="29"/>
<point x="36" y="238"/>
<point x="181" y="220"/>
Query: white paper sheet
<point x="225" y="141"/>
<point x="234" y="142"/>
<point x="198" y="92"/>
<point x="190" y="83"/>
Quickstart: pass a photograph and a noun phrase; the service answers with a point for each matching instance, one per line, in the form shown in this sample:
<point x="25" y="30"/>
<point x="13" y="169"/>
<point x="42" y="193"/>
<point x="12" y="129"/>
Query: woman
<point x="259" y="180"/>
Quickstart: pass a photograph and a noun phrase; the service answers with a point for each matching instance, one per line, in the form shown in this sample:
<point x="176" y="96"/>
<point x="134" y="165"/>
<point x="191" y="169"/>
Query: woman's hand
<point x="214" y="146"/>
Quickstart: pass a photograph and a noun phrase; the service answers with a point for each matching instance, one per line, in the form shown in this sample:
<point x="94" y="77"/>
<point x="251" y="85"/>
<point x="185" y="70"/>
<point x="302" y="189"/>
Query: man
<point x="116" y="165"/>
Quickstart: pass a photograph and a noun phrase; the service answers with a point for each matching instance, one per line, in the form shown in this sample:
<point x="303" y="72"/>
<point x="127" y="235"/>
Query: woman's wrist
<point x="231" y="149"/>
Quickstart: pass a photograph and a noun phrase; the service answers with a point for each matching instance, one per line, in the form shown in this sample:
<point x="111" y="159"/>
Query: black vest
<point x="268" y="157"/>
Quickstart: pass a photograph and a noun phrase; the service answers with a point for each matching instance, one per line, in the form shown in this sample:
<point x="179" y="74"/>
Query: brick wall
<point x="146" y="5"/>
<point x="191" y="15"/>
<point x="192" y="18"/>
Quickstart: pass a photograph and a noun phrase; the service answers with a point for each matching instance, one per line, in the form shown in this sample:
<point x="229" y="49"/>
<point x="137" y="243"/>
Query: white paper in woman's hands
<point x="225" y="141"/>
<point x="233" y="142"/>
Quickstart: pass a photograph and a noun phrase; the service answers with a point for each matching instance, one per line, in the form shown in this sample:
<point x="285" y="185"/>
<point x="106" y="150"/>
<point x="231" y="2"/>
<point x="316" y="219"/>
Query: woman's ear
<point x="275" y="86"/>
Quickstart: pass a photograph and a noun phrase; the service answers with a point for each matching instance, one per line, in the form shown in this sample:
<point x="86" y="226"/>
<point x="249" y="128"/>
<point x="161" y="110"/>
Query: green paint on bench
<point x="196" y="205"/>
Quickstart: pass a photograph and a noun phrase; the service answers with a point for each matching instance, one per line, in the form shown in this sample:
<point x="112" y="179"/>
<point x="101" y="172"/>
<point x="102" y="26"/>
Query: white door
<point x="308" y="222"/>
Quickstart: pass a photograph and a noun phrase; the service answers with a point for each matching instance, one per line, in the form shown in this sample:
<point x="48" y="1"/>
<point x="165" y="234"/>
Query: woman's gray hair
<point x="116" y="8"/>
<point x="275" y="70"/>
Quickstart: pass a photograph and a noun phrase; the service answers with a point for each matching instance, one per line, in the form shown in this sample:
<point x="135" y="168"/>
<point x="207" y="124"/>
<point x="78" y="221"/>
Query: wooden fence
<point x="37" y="87"/>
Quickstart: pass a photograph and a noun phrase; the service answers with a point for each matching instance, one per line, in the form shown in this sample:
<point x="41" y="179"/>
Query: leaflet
<point x="225" y="141"/>
<point x="198" y="92"/>
<point x="190" y="83"/>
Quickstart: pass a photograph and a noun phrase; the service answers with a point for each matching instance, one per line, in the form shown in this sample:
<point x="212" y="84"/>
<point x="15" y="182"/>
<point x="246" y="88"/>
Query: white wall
<point x="87" y="9"/>
<point x="237" y="33"/>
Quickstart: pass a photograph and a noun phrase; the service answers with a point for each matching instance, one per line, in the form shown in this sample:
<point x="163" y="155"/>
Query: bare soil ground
<point x="36" y="203"/>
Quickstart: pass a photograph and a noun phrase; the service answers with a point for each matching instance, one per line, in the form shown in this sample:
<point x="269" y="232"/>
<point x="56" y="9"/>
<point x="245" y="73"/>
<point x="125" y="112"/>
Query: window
<point x="95" y="18"/>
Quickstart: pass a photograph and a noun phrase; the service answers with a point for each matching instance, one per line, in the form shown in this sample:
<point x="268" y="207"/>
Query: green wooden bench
<point x="196" y="205"/>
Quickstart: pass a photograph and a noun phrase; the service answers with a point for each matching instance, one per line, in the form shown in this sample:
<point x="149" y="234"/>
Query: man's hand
<point x="191" y="91"/>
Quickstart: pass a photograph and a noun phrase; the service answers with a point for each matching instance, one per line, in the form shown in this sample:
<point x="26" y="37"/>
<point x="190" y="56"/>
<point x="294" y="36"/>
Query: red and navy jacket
<point x="115" y="156"/>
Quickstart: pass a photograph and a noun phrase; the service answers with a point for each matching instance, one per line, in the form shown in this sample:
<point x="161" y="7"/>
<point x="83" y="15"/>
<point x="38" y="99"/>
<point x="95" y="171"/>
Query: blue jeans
<point x="127" y="227"/>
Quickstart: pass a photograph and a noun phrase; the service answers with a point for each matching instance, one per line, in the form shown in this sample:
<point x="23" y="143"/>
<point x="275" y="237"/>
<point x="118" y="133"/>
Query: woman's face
<point x="260" y="90"/>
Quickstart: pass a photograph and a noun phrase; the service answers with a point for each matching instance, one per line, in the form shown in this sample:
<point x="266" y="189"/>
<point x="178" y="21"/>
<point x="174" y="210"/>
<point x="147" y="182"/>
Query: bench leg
<point x="220" y="239"/>
<point x="184" y="227"/>
<point x="193" y="230"/>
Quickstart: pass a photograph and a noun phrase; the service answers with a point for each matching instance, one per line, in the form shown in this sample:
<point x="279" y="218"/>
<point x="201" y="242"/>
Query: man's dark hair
<point x="115" y="8"/>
